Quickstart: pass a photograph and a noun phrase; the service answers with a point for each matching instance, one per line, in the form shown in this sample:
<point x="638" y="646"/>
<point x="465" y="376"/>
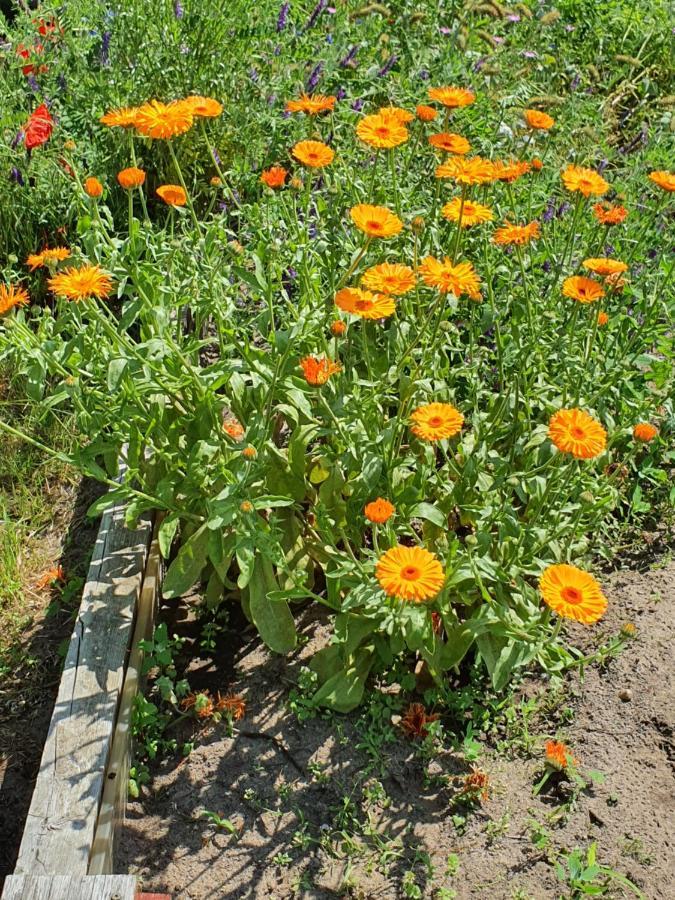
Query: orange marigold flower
<point x="425" y="113"/>
<point x="379" y="511"/>
<point x="204" y="107"/>
<point x="448" y="278"/>
<point x="93" y="187"/>
<point x="172" y="194"/>
<point x="476" y="784"/>
<point x="466" y="170"/>
<point x="603" y="318"/>
<point x="537" y="164"/>
<point x="311" y="104"/>
<point x="274" y="177"/>
<point x="163" y="120"/>
<point x="233" y="427"/>
<point x="472" y="213"/>
<point x="586" y="181"/>
<point x="365" y="304"/>
<point x="436" y="421"/>
<point x="11" y="296"/>
<point x="415" y="723"/>
<point x="232" y="705"/>
<point x="615" y="282"/>
<point x="510" y="171"/>
<point x="452" y="97"/>
<point x="601" y="265"/>
<point x="389" y="278"/>
<point x="124" y="117"/>
<point x="47" y="257"/>
<point x="381" y="132"/>
<point x="80" y="283"/>
<point x="559" y="756"/>
<point x="410" y="573"/>
<point x="314" y="154"/>
<point x="55" y="573"/>
<point x="575" y="431"/>
<point x="317" y="370"/>
<point x="645" y="431"/>
<point x="249" y="452"/>
<point x="582" y="289"/>
<point x="338" y="328"/>
<point x="131" y="177"/>
<point x="572" y="593"/>
<point x="538" y="120"/>
<point x="450" y="143"/>
<point x="609" y="215"/>
<point x="517" y="234"/>
<point x="396" y="114"/>
<point x="375" y="221"/>
<point x="665" y="180"/>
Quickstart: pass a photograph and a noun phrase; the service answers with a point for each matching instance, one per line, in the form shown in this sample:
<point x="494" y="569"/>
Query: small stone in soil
<point x="625" y="695"/>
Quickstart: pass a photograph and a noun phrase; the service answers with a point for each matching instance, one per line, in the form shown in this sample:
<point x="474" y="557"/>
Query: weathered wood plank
<point x="70" y="887"/>
<point x="60" y="827"/>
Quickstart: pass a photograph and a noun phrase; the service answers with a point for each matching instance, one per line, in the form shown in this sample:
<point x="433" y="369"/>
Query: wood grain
<point x="70" y="887"/>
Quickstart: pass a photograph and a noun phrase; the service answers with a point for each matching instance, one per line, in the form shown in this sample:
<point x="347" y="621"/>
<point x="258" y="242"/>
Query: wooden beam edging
<point x="70" y="887"/>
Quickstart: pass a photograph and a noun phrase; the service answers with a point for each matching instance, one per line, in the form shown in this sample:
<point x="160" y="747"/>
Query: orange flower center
<point x="571" y="595"/>
<point x="577" y="432"/>
<point x="410" y="573"/>
<point x="435" y="421"/>
<point x="374" y="226"/>
<point x="362" y="304"/>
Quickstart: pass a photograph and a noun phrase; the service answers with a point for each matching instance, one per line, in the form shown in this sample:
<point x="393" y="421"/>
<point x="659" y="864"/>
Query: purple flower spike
<point x="388" y="66"/>
<point x="349" y="58"/>
<point x="314" y="77"/>
<point x="17" y="176"/>
<point x="105" y="48"/>
<point x="178" y="10"/>
<point x="316" y="12"/>
<point x="282" y="21"/>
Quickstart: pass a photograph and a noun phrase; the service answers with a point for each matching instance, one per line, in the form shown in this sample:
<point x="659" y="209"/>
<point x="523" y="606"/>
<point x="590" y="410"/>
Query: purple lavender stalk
<point x="388" y="66"/>
<point x="105" y="48"/>
<point x="314" y="77"/>
<point x="316" y="12"/>
<point x="349" y="58"/>
<point x="17" y="176"/>
<point x="282" y="21"/>
<point x="178" y="10"/>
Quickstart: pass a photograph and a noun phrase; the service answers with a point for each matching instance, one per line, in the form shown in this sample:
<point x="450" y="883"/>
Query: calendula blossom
<point x="396" y="114"/>
<point x="365" y="304"/>
<point x="510" y="171"/>
<point x="452" y="97"/>
<point x="11" y="296"/>
<point x="517" y="234"/>
<point x="317" y="370"/>
<point x="573" y="593"/>
<point x="436" y="421"/>
<point x="311" y="104"/>
<point x="610" y="215"/>
<point x="645" y="431"/>
<point x="274" y="177"/>
<point x="576" y="432"/>
<point x="450" y="278"/>
<point x="582" y="289"/>
<point x="47" y="257"/>
<point x="172" y="194"/>
<point x="124" y="117"/>
<point x="379" y="511"/>
<point x="468" y="170"/>
<point x="75" y="283"/>
<point x="163" y="121"/>
<point x="130" y="178"/>
<point x="450" y="143"/>
<point x="411" y="574"/>
<point x="314" y="154"/>
<point x="203" y="107"/>
<point x="601" y="265"/>
<point x="375" y="221"/>
<point x="538" y="120"/>
<point x="381" y="133"/>
<point x="389" y="278"/>
<point x="585" y="181"/>
<point x="472" y="213"/>
<point x="664" y="180"/>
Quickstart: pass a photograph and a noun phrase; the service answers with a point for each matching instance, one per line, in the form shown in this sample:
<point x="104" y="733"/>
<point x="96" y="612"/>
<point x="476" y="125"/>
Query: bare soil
<point x="311" y="820"/>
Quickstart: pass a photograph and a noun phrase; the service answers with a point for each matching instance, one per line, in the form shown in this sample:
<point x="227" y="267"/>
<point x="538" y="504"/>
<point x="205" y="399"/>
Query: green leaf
<point x="118" y="495"/>
<point x="344" y="690"/>
<point x="430" y="513"/>
<point x="272" y="618"/>
<point x="116" y="369"/>
<point x="166" y="534"/>
<point x="186" y="568"/>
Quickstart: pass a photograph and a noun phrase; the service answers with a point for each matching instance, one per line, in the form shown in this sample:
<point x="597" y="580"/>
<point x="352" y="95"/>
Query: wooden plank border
<point x="70" y="887"/>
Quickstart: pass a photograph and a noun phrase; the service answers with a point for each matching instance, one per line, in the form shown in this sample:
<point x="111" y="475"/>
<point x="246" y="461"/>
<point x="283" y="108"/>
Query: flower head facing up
<point x="609" y="215"/>
<point x="603" y="266"/>
<point x="11" y="296"/>
<point x="396" y="114"/>
<point x="471" y="213"/>
<point x="448" y="278"/>
<point x="425" y="113"/>
<point x="410" y="574"/>
<point x="582" y="289"/>
<point x="274" y="177"/>
<point x="450" y="143"/>
<point x="311" y="104"/>
<point x="203" y="107"/>
<point x="365" y="304"/>
<point x="416" y="720"/>
<point x="559" y="755"/>
<point x="572" y="593"/>
<point x="436" y="421"/>
<point x="80" y="283"/>
<point x="47" y="257"/>
<point x="163" y="121"/>
<point x="468" y="170"/>
<point x="576" y="432"/>
<point x="379" y="511"/>
<point x="381" y="132"/>
<point x="451" y="97"/>
<point x="517" y="234"/>
<point x="389" y="278"/>
<point x="375" y="221"/>
<point x="317" y="370"/>
<point x="585" y="181"/>
<point x="510" y="171"/>
<point x="314" y="154"/>
<point x="124" y="117"/>
<point x="538" y="120"/>
<point x="93" y="187"/>
<point x="131" y="178"/>
<point x="172" y="194"/>
<point x="645" y="431"/>
<point x="664" y="180"/>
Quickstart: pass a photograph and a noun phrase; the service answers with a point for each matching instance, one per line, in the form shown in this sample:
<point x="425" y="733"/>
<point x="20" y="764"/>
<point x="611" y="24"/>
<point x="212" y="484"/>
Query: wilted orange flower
<point x="472" y="213"/>
<point x="311" y="104"/>
<point x="601" y="265"/>
<point x="375" y="221"/>
<point x="11" y="296"/>
<point x="381" y="132"/>
<point x="575" y="431"/>
<point x="448" y="278"/>
<point x="586" y="181"/>
<point x="172" y="194"/>
<point x="317" y="370"/>
<point x="364" y="303"/>
<point x="425" y="113"/>
<point x="436" y="421"/>
<point x="204" y="107"/>
<point x="215" y="181"/>
<point x="415" y="723"/>
<point x="450" y="143"/>
<point x="93" y="187"/>
<point x="476" y="784"/>
<point x="274" y="177"/>
<point x="45" y="257"/>
<point x="572" y="593"/>
<point x="452" y="97"/>
<point x="609" y="215"/>
<point x="337" y="328"/>
<point x="410" y="573"/>
<point x="379" y="511"/>
<point x="665" y="180"/>
<point x="645" y="431"/>
<point x="603" y="318"/>
<point x="559" y="755"/>
<point x="233" y="427"/>
<point x="538" y="120"/>
<point x="466" y="170"/>
<point x="202" y="703"/>
<point x="131" y="177"/>
<point x="249" y="452"/>
<point x="517" y="234"/>
<point x="124" y="117"/>
<point x="56" y="573"/>
<point x="232" y="705"/>
<point x="582" y="289"/>
<point x="396" y="114"/>
<point x="510" y="171"/>
<point x="389" y="278"/>
<point x="314" y="154"/>
<point x="615" y="282"/>
<point x="163" y="120"/>
<point x="79" y="283"/>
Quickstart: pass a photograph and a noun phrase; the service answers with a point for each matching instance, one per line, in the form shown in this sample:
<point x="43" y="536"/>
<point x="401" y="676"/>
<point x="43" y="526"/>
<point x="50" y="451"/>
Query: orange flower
<point x="202" y="703"/>
<point x="450" y="143"/>
<point x="537" y="164"/>
<point x="232" y="705"/>
<point x="645" y="431"/>
<point x="337" y="328"/>
<point x="582" y="289"/>
<point x="56" y="573"/>
<point x="124" y="117"/>
<point x="314" y="154"/>
<point x="93" y="187"/>
<point x="379" y="511"/>
<point x="389" y="278"/>
<point x="172" y="194"/>
<point x="274" y="177"/>
<point x="163" y="120"/>
<point x="47" y="257"/>
<point x="204" y="107"/>
<point x="572" y="593"/>
<point x="472" y="213"/>
<point x="381" y="132"/>
<point x="451" y="97"/>
<point x="131" y="177"/>
<point x="311" y="104"/>
<point x="436" y="421"/>
<point x="396" y="114"/>
<point x="425" y="113"/>
<point x="415" y="722"/>
<point x="364" y="303"/>
<point x="466" y="170"/>
<point x="609" y="215"/>
<point x="517" y="234"/>
<point x="603" y="318"/>
<point x="665" y="180"/>
<point x="510" y="171"/>
<point x="586" y="181"/>
<point x="603" y="266"/>
<point x="538" y="120"/>
<point x="559" y="756"/>
<point x="410" y="573"/>
<point x="249" y="452"/>
<point x="317" y="370"/>
<point x="11" y="296"/>
<point x="233" y="427"/>
<point x="576" y="432"/>
<point x="448" y="278"/>
<point x="476" y="784"/>
<point x="375" y="221"/>
<point x="79" y="284"/>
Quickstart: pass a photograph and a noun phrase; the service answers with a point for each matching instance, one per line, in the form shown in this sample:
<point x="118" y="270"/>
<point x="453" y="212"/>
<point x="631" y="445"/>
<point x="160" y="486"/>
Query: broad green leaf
<point x="272" y="618"/>
<point x="186" y="568"/>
